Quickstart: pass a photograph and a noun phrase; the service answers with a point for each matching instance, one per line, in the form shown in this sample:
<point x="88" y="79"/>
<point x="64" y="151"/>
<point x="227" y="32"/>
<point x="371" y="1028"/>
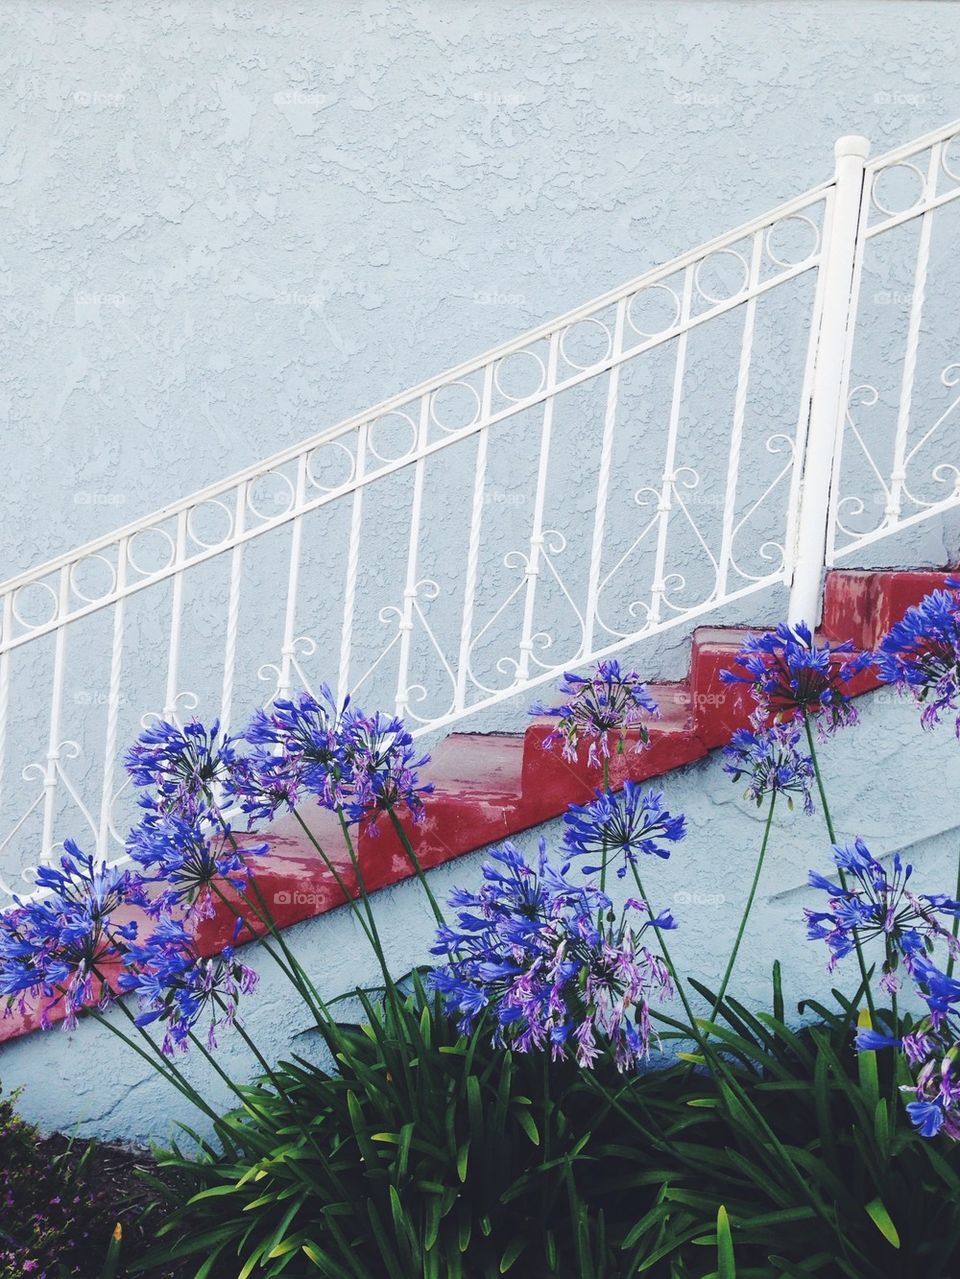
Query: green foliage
<point x="425" y="1155"/>
<point x="806" y="1146"/>
<point x="432" y="1156"/>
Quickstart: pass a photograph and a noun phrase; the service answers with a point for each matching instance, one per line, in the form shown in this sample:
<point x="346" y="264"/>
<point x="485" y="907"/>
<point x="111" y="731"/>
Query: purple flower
<point x="621" y="827"/>
<point x="56" y="944"/>
<point x="302" y="741"/>
<point x="878" y="904"/>
<point x="773" y="761"/>
<point x="182" y="765"/>
<point x="383" y="768"/>
<point x="792" y="677"/>
<point x="177" y="986"/>
<point x="262" y="785"/>
<point x="528" y="952"/>
<point x="606" y="702"/>
<point x="921" y="655"/>
<point x="188" y="858"/>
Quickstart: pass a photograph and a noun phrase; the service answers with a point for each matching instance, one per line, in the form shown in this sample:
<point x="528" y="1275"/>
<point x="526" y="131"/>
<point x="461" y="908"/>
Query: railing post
<point x="826" y="407"/>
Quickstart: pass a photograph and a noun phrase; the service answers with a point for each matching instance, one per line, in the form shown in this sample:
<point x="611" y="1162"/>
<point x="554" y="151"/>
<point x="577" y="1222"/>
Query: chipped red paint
<point x="491" y="786"/>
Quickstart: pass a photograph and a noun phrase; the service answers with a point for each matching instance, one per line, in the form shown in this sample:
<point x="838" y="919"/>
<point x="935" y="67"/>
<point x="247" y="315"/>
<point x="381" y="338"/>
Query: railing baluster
<point x="838" y="259"/>
<point x="352" y="565"/>
<point x="288" y="647"/>
<point x="536" y="534"/>
<point x="898" y="473"/>
<point x="739" y="418"/>
<point x="51" y="772"/>
<point x="410" y="587"/>
<point x="473" y="544"/>
<point x="176" y="618"/>
<point x="669" y="462"/>
<point x="603" y="482"/>
<point x="233" y="610"/>
<point x="113" y="707"/>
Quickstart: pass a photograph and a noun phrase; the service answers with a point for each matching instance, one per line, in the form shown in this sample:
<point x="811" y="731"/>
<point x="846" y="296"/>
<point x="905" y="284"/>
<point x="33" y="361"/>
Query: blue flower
<point x="614" y="827"/>
<point x="867" y="1040"/>
<point x="609" y="701"/>
<point x="177" y="986"/>
<point x="189" y="859"/>
<point x="921" y="655"/>
<point x="56" y="944"/>
<point x="773" y="761"/>
<point x="181" y="765"/>
<point x="383" y="768"/>
<point x="791" y="677"/>
<point x="877" y="903"/>
<point x="303" y="750"/>
<point x="926" y="1116"/>
<point x="528" y="953"/>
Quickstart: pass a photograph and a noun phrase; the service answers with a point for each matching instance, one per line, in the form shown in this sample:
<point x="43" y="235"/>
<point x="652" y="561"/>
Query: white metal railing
<point x="897" y="459"/>
<point x="625" y="469"/>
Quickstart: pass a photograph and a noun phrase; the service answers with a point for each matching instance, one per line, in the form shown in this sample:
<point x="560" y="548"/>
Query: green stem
<point x="365" y="898"/>
<point x="414" y="861"/>
<point x="288" y="965"/>
<point x="864" y="977"/>
<point x="349" y="897"/>
<point x="304" y="986"/>
<point x="390" y="988"/>
<point x="746" y="911"/>
<point x="603" y="848"/>
<point x="955" y="927"/>
<point x="895" y="1029"/>
<point x="164" y="1067"/>
<point x="668" y="960"/>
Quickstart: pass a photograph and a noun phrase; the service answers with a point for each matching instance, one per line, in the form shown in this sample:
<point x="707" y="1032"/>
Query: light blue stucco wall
<point x="887" y="781"/>
<point x="225" y="227"/>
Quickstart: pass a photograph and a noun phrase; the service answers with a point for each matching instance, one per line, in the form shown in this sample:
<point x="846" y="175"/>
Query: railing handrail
<point x="283" y="456"/>
<point x="907" y="149"/>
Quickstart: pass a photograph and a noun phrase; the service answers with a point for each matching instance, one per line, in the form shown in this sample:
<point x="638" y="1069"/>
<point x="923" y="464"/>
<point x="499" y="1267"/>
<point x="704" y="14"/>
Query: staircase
<point x="489" y="787"/>
<point x="713" y="434"/>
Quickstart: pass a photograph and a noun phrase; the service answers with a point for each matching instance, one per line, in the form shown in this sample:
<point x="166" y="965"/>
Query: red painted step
<point x="491" y="786"/>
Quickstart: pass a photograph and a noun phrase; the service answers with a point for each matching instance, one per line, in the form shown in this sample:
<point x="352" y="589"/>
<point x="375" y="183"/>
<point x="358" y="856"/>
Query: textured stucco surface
<point x="886" y="780"/>
<point x="228" y="226"/>
<point x="224" y="228"/>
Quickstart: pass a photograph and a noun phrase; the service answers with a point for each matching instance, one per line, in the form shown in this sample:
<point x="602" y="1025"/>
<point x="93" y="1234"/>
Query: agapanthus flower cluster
<point x="874" y="902"/>
<point x="182" y="766"/>
<point x="773" y="760"/>
<point x="178" y="986"/>
<point x="360" y="764"/>
<point x="791" y="676"/>
<point x="620" y="828"/>
<point x="609" y="702"/>
<point x="932" y="1049"/>
<point x="189" y="860"/>
<point x="921" y="655"/>
<point x="383" y="768"/>
<point x="55" y="945"/>
<point x="528" y="951"/>
<point x="299" y="745"/>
